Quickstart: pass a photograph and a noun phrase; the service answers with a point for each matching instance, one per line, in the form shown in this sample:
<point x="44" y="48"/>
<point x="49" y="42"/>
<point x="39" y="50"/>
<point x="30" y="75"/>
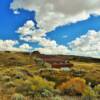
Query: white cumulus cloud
<point x="7" y="45"/>
<point x="25" y="47"/>
<point x="26" y="28"/>
<point x="51" y="47"/>
<point x="87" y="45"/>
<point x="53" y="13"/>
<point x="10" y="45"/>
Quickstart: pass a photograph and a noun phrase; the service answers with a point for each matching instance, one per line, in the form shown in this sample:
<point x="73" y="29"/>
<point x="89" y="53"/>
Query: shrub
<point x="24" y="87"/>
<point x="88" y="91"/>
<point x="73" y="86"/>
<point x="97" y="90"/>
<point x="46" y="93"/>
<point x="79" y="73"/>
<point x="9" y="84"/>
<point x="33" y="85"/>
<point x="6" y="78"/>
<point x="41" y="83"/>
<point x="92" y="81"/>
<point x="43" y="93"/>
<point x="39" y="61"/>
<point x="42" y="63"/>
<point x="89" y="94"/>
<point x="19" y="76"/>
<point x="17" y="96"/>
<point x="46" y="65"/>
<point x="57" y="98"/>
<point x="42" y="86"/>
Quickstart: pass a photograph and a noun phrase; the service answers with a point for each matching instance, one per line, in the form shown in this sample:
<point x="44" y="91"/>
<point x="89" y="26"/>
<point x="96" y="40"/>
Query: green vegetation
<point x="17" y="96"/>
<point x="24" y="77"/>
<point x="97" y="90"/>
<point x="41" y="63"/>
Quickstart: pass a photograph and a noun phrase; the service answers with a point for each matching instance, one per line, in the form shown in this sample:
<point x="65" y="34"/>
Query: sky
<point x="56" y="27"/>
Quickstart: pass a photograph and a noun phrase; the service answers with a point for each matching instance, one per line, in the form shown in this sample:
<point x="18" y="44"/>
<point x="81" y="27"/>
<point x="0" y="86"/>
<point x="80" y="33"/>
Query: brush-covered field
<point x="26" y="77"/>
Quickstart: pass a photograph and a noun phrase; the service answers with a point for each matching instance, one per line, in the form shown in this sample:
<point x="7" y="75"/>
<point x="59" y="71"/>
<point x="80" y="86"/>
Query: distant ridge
<point x="67" y="57"/>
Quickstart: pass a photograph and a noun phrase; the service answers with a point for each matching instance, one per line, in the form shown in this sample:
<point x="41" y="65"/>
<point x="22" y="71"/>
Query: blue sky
<point x="10" y="22"/>
<point x="63" y="35"/>
<point x="75" y="30"/>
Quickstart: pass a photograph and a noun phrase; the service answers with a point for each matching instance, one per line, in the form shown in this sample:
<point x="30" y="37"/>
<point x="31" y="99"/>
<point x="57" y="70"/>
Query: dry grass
<point x="92" y="69"/>
<point x="8" y="97"/>
<point x="23" y="65"/>
<point x="86" y="66"/>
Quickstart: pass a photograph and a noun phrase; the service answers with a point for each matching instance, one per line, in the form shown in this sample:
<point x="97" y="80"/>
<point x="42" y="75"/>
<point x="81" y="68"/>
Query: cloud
<point x="47" y="46"/>
<point x="53" y="13"/>
<point x="65" y="36"/>
<point x="25" y="47"/>
<point x="11" y="45"/>
<point x="7" y="45"/>
<point x="54" y="50"/>
<point x="47" y="42"/>
<point x="16" y="12"/>
<point x="26" y="28"/>
<point x="51" y="47"/>
<point x="29" y="32"/>
<point x="87" y="45"/>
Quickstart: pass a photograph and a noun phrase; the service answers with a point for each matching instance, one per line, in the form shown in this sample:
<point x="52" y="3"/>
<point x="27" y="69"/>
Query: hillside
<point x="23" y="58"/>
<point x="26" y="74"/>
<point x="11" y="59"/>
